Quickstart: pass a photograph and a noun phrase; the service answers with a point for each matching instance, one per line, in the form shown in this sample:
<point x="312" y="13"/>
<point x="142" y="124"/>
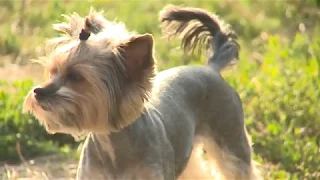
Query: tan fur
<point x="93" y="107"/>
<point x="101" y="82"/>
<point x="209" y="161"/>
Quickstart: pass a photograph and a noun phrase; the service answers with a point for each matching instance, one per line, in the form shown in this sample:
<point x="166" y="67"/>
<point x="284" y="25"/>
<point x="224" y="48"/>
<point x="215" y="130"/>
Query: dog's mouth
<point x="33" y="104"/>
<point x="59" y="112"/>
<point x="44" y="107"/>
<point x="48" y="102"/>
<point x="67" y="111"/>
<point x="45" y="110"/>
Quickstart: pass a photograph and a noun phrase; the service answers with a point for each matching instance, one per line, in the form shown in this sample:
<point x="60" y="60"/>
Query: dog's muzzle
<point x="41" y="93"/>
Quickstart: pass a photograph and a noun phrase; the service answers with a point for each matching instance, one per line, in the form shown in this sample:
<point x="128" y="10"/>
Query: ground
<point x="48" y="167"/>
<point x="12" y="72"/>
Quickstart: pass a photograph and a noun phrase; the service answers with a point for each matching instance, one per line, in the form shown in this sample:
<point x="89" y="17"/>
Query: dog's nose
<point x="43" y="92"/>
<point x="39" y="93"/>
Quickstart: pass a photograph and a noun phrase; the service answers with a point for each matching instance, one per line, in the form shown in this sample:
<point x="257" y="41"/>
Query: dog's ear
<point x="137" y="53"/>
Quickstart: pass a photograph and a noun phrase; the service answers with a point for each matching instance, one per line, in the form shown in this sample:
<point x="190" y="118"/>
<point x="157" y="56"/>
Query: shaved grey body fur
<point x="186" y="103"/>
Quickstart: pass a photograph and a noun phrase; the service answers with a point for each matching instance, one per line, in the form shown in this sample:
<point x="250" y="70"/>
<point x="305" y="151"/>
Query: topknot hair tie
<point x="84" y="35"/>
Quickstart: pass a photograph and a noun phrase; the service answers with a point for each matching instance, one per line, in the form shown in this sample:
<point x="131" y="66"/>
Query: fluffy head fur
<point x="97" y="85"/>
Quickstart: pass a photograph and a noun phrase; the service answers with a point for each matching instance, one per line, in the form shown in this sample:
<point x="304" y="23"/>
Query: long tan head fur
<point x="97" y="84"/>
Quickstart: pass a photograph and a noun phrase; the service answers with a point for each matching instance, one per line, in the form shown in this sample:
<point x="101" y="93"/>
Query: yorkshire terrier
<point x="140" y="124"/>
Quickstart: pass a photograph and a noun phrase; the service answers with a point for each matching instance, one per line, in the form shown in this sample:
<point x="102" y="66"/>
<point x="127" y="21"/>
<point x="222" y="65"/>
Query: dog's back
<point x="189" y="108"/>
<point x="196" y="100"/>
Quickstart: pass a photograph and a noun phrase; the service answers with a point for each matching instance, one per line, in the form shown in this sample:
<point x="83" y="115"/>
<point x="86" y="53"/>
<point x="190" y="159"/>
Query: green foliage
<point x="281" y="101"/>
<point x="278" y="77"/>
<point x="20" y="131"/>
<point x="14" y="126"/>
<point x="9" y="42"/>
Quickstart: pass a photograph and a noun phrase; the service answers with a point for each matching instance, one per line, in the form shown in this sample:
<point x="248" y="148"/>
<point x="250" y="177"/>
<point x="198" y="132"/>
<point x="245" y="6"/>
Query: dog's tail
<point x="200" y="29"/>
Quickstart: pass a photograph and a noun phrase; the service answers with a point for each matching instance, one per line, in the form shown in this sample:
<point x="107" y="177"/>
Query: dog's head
<point x="98" y="77"/>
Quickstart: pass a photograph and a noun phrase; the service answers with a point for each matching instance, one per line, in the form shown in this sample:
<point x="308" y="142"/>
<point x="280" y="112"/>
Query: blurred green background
<point x="277" y="76"/>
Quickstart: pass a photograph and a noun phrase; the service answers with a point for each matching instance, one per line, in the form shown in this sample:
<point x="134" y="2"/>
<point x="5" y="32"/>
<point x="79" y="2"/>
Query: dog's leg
<point x="211" y="160"/>
<point x="225" y="138"/>
<point x="229" y="160"/>
<point x="197" y="166"/>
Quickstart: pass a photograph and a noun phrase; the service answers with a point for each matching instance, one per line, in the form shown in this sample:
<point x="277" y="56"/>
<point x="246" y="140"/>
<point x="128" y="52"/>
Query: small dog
<point x="102" y="81"/>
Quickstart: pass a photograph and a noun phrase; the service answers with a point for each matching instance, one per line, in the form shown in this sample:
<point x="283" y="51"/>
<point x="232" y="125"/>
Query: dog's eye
<point x="73" y="77"/>
<point x="53" y="72"/>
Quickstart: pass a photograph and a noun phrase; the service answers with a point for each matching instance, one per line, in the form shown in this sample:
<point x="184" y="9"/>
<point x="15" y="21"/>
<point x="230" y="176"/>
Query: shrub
<point x="17" y="129"/>
<point x="281" y="101"/>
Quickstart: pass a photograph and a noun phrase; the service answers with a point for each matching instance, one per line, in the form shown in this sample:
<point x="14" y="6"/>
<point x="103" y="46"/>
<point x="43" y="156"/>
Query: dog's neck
<point x="116" y="150"/>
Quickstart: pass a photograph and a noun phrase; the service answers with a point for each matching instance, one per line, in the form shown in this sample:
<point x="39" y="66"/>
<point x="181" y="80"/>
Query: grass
<point x="277" y="78"/>
<point x="45" y="167"/>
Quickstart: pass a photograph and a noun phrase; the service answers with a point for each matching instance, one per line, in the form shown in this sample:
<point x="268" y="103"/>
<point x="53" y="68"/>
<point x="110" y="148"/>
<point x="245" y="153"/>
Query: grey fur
<point x="186" y="102"/>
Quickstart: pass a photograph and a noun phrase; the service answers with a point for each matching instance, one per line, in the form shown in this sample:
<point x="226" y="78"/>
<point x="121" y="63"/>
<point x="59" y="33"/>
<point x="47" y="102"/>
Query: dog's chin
<point x="51" y="120"/>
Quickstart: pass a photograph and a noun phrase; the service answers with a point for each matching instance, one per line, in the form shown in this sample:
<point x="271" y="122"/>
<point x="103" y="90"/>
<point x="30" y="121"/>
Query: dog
<point x="102" y="81"/>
